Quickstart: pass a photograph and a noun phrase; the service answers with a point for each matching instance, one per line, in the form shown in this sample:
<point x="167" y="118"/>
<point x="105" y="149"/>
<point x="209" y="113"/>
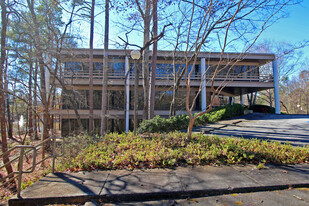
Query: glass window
<point x="116" y="68"/>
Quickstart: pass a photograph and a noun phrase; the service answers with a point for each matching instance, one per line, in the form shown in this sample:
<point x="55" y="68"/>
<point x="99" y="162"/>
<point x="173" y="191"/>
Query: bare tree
<point x="91" y="67"/>
<point x="289" y="61"/>
<point x="146" y="15"/>
<point x="141" y="49"/>
<point x="140" y="16"/>
<point x="176" y="38"/>
<point x="105" y="71"/>
<point x="228" y="22"/>
<point x="153" y="61"/>
<point x="36" y="35"/>
<point x="39" y="55"/>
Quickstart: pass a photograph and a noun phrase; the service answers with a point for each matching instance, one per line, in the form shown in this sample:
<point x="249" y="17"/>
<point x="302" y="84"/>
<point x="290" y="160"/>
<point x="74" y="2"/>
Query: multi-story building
<point x="240" y="72"/>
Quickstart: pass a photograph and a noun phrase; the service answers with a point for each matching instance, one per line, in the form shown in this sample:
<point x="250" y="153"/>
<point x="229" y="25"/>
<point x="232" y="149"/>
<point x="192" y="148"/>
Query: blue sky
<point x="293" y="29"/>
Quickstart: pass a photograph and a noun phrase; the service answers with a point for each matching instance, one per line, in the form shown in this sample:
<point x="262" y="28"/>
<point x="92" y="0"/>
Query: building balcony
<point x="166" y="79"/>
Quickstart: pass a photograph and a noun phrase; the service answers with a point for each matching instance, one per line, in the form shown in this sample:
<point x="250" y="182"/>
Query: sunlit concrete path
<point x="298" y="196"/>
<point x="292" y="129"/>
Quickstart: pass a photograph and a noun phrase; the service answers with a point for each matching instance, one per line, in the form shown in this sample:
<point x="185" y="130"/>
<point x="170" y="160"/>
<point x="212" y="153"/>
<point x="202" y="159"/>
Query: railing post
<point x="20" y="170"/>
<point x="54" y="156"/>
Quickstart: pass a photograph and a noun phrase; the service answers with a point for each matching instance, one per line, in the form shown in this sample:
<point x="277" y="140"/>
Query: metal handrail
<point x="164" y="76"/>
<point x="21" y="155"/>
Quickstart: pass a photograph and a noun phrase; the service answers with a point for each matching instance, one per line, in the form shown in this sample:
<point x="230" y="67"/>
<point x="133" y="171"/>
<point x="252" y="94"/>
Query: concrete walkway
<point x="293" y="129"/>
<point x="156" y="184"/>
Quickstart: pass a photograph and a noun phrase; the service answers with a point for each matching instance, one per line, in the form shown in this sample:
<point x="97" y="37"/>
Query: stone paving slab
<point x="277" y="175"/>
<point x="67" y="184"/>
<point x="109" y="186"/>
<point x="289" y="197"/>
<point x="210" y="178"/>
<point x="141" y="181"/>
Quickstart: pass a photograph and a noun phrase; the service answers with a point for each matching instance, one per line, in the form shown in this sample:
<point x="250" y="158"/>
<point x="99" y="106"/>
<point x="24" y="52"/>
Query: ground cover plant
<point x="126" y="151"/>
<point x="180" y="122"/>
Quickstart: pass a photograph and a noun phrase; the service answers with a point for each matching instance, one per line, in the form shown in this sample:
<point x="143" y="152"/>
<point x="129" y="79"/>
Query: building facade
<point x="240" y="74"/>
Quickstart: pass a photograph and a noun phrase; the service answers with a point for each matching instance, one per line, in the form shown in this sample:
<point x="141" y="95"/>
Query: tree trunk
<point x="35" y="103"/>
<point x="286" y="109"/>
<point x="307" y="103"/>
<point x="177" y="79"/>
<point x="153" y="63"/>
<point x="30" y="116"/>
<point x="145" y="61"/>
<point x="91" y="69"/>
<point x="177" y="75"/>
<point x="39" y="55"/>
<point x="172" y="105"/>
<point x="173" y="102"/>
<point x="4" y="144"/>
<point x="190" y="127"/>
<point x="7" y="100"/>
<point x="105" y="72"/>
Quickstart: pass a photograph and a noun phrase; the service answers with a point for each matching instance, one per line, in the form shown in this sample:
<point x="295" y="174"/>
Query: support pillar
<point x="203" y="89"/>
<point x="127" y="69"/>
<point x="276" y="87"/>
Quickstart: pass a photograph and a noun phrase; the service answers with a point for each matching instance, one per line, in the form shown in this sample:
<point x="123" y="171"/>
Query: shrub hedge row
<point x="263" y="109"/>
<point x="180" y="122"/>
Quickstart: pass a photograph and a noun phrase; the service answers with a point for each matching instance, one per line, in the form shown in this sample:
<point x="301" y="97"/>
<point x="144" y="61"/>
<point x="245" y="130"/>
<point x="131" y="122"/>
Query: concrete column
<point x="127" y="69"/>
<point x="276" y="86"/>
<point x="203" y="78"/>
<point x="242" y="96"/>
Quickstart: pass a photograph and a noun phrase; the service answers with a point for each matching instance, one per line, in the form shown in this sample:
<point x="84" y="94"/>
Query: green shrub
<point x="180" y="122"/>
<point x="73" y="146"/>
<point x="157" y="124"/>
<point x="263" y="109"/>
<point x="177" y="122"/>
